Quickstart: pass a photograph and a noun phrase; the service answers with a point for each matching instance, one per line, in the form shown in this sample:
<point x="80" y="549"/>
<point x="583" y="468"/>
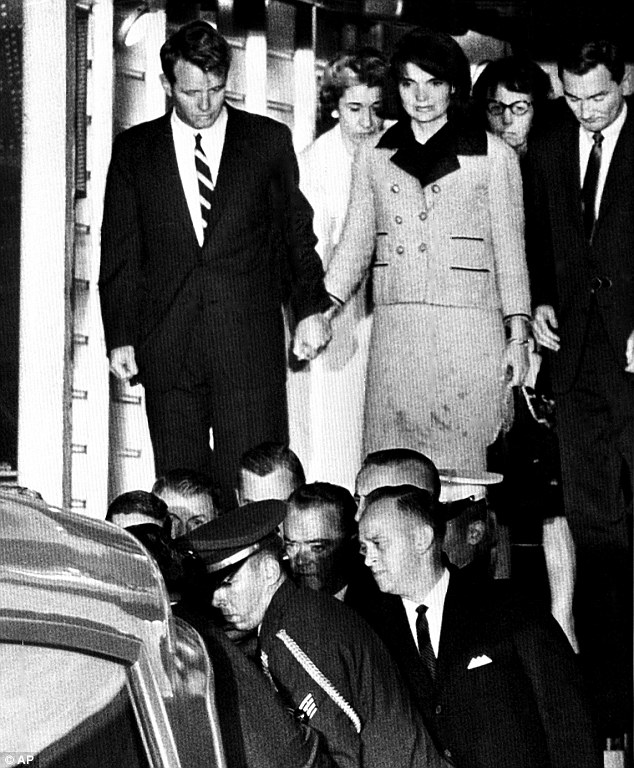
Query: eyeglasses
<point x="498" y="108"/>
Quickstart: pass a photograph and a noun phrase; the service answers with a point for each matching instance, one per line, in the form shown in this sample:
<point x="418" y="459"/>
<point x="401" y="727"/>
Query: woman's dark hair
<point x="438" y="54"/>
<point x="199" y="44"/>
<point x="517" y="74"/>
<point x="365" y="66"/>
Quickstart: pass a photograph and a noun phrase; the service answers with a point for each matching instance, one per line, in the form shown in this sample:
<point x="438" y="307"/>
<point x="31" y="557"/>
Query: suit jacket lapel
<point x="619" y="173"/>
<point x="168" y="177"/>
<point x="231" y="168"/>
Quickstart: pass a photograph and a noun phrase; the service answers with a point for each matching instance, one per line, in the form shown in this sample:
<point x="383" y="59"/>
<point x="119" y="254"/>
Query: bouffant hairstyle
<point x="438" y="54"/>
<point x="365" y="66"/>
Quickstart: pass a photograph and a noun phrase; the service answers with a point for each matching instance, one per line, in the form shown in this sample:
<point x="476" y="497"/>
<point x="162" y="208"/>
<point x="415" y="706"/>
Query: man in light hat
<point x="496" y="685"/>
<point x="325" y="662"/>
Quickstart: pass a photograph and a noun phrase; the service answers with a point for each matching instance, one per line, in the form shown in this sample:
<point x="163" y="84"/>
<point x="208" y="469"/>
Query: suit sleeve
<point x="538" y="240"/>
<point x="507" y="229"/>
<point x="353" y="255"/>
<point x="120" y="250"/>
<point x="393" y="732"/>
<point x="551" y="667"/>
<point x="304" y="273"/>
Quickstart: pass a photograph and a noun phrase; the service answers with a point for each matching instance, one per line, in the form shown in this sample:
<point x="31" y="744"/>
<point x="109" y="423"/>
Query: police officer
<point x="324" y="661"/>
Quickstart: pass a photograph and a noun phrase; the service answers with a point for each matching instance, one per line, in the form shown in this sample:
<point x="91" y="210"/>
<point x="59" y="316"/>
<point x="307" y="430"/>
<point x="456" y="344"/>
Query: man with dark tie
<point x="205" y="233"/>
<point x="580" y="230"/>
<point x="496" y="684"/>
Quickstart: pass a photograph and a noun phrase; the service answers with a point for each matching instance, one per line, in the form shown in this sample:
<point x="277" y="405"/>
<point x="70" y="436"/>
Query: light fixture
<point x="134" y="26"/>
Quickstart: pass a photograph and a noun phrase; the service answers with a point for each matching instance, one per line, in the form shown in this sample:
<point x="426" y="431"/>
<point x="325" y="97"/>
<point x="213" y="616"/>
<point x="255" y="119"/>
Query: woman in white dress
<point x="326" y="396"/>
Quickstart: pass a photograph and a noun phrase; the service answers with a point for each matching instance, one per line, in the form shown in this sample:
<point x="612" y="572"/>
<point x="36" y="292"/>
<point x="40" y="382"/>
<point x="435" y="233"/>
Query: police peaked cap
<point x="236" y="535"/>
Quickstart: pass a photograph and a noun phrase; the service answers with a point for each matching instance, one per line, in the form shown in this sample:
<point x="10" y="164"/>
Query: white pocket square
<point x="479" y="661"/>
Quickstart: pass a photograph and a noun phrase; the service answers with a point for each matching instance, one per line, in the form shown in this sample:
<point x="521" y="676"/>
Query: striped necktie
<point x="425" y="648"/>
<point x="205" y="184"/>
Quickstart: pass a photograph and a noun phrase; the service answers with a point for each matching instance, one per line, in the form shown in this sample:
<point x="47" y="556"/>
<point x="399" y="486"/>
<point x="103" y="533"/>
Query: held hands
<point x="517" y="362"/>
<point x="544" y="326"/>
<point x="312" y="336"/>
<point x="123" y="363"/>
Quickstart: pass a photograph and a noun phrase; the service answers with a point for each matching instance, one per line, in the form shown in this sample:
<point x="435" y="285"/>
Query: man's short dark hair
<point x="138" y="502"/>
<point x="415" y="502"/>
<point x="268" y="457"/>
<point x="581" y="58"/>
<point x="312" y="495"/>
<point x="391" y="456"/>
<point x="187" y="483"/>
<point x="199" y="44"/>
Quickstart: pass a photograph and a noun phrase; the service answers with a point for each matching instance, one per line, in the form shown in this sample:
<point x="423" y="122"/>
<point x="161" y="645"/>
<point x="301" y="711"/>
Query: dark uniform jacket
<point x="507" y="690"/>
<point x="354" y="660"/>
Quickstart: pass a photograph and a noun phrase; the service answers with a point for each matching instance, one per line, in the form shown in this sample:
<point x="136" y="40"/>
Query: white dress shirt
<point x="212" y="141"/>
<point x="435" y="602"/>
<point x="586" y="142"/>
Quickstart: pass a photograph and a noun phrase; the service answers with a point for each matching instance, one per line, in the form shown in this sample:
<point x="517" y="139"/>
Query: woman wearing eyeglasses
<point x="512" y="93"/>
<point x="512" y="96"/>
<point x="436" y="215"/>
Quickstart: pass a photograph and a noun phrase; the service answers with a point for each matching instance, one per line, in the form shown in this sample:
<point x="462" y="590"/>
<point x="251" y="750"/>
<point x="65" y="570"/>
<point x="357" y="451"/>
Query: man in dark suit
<point x="325" y="662"/>
<point x="496" y="685"/>
<point x="322" y="545"/>
<point x="205" y="233"/>
<point x="581" y="247"/>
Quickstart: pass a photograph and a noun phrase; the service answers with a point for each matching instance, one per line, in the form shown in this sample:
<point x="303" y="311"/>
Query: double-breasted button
<point x="596" y="284"/>
<point x="435" y="188"/>
<point x="438" y="709"/>
<point x="396" y="188"/>
<point x="400" y="249"/>
<point x="422" y="215"/>
<point x="422" y="247"/>
<point x="398" y="219"/>
<point x="607" y="283"/>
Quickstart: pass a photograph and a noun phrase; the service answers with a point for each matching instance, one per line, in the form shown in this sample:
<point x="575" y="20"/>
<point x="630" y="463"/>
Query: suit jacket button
<point x="422" y="247"/>
<point x="606" y="282"/>
<point x="596" y="284"/>
<point x="438" y="709"/>
<point x="396" y="188"/>
<point x="422" y="215"/>
<point x="435" y="188"/>
<point x="398" y="219"/>
<point x="400" y="249"/>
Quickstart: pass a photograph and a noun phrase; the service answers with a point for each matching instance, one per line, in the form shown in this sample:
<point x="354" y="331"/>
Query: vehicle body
<point x="96" y="670"/>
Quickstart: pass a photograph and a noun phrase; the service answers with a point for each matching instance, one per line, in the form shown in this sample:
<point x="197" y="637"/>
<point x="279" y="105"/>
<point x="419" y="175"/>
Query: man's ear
<point x="423" y="538"/>
<point x="475" y="532"/>
<point x="271" y="569"/>
<point x="167" y="86"/>
<point x="627" y="87"/>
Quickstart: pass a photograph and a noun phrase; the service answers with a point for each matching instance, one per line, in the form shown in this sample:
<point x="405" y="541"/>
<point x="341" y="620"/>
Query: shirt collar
<point x="435" y="598"/>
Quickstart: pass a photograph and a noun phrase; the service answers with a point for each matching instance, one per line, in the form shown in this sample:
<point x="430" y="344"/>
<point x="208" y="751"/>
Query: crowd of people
<point x="458" y="281"/>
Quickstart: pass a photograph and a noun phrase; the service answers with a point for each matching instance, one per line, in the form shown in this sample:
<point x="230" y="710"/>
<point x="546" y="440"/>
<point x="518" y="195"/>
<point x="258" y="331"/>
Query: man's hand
<point x="544" y="326"/>
<point x="516" y="359"/>
<point x="311" y="336"/>
<point x="123" y="363"/>
<point x="629" y="354"/>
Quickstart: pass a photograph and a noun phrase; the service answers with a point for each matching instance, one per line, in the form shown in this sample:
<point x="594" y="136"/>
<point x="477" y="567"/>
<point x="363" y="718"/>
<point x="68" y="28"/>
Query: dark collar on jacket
<point x="436" y="158"/>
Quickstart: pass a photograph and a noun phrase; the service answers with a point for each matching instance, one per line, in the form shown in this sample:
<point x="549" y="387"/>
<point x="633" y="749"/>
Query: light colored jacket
<point x="458" y="241"/>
